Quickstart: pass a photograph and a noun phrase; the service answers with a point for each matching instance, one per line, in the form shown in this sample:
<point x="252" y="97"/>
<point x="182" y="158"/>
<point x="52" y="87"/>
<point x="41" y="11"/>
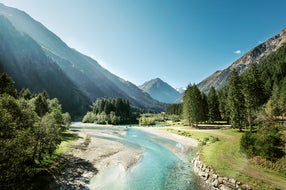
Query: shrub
<point x="266" y="143"/>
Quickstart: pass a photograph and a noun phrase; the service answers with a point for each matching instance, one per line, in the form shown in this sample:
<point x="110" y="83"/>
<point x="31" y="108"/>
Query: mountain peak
<point x="160" y="90"/>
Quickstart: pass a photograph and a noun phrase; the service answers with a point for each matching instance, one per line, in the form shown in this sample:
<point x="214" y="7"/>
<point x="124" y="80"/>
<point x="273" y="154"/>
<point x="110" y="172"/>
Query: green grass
<point x="68" y="137"/>
<point x="225" y="157"/>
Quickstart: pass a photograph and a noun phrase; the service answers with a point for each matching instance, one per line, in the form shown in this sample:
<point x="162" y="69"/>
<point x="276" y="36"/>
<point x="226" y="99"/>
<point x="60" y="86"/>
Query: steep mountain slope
<point x="256" y="55"/>
<point x="160" y="91"/>
<point x="92" y="80"/>
<point x="23" y="59"/>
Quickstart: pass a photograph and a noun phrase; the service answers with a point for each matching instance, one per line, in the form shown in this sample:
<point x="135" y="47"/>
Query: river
<point x="158" y="168"/>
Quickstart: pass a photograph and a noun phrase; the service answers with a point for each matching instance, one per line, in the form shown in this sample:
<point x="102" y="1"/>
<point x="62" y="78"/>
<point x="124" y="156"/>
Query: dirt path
<point x="212" y="131"/>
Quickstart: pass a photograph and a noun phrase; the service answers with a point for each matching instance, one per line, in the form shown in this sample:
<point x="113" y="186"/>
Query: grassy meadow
<point x="220" y="149"/>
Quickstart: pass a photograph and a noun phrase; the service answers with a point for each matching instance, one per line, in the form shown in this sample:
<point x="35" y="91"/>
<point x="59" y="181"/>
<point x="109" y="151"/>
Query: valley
<point x="68" y="122"/>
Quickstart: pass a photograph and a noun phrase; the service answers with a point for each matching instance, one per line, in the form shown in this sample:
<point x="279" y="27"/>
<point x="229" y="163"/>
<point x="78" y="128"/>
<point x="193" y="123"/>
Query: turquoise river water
<point x="159" y="167"/>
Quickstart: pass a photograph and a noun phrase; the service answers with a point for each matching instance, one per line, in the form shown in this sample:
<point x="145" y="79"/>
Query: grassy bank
<point x="220" y="149"/>
<point x="67" y="138"/>
<point x="52" y="165"/>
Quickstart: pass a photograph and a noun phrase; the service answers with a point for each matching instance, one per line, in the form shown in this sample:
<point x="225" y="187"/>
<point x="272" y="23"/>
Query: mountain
<point x="38" y="59"/>
<point x="220" y="78"/>
<point x="181" y="90"/>
<point x="160" y="91"/>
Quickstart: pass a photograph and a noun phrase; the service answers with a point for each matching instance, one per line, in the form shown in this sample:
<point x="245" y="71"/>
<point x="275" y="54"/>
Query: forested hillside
<point x="253" y="102"/>
<point x="30" y="130"/>
<point x="38" y="59"/>
<point x="110" y="111"/>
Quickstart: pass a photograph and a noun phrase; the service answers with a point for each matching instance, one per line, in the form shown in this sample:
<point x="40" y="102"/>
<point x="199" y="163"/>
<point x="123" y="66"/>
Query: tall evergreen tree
<point x="235" y="101"/>
<point x="213" y="106"/>
<point x="223" y="108"/>
<point x="7" y="85"/>
<point x="41" y="104"/>
<point x="187" y="106"/>
<point x="192" y="106"/>
<point x="205" y="107"/>
<point x="254" y="93"/>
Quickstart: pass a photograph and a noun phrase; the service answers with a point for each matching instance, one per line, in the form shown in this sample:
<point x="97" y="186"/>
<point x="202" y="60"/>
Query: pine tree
<point x="205" y="107"/>
<point x="192" y="106"/>
<point x="235" y="101"/>
<point x="223" y="108"/>
<point x="254" y="93"/>
<point x="187" y="106"/>
<point x="213" y="106"/>
<point x="7" y="85"/>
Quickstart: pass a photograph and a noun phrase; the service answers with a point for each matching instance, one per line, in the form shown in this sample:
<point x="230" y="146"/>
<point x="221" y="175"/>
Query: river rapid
<point x="161" y="165"/>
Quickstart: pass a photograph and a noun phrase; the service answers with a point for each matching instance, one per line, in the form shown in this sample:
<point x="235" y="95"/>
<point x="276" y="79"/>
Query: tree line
<point x="110" y="111"/>
<point x="30" y="130"/>
<point x="254" y="100"/>
<point x="256" y="96"/>
<point x="197" y="107"/>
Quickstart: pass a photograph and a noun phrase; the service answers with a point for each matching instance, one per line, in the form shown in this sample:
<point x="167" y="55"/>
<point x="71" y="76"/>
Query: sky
<point x="179" y="41"/>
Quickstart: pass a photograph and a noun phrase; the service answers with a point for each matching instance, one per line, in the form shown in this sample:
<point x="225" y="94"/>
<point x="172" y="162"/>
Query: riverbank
<point x="98" y="157"/>
<point x="221" y="163"/>
<point x="88" y="157"/>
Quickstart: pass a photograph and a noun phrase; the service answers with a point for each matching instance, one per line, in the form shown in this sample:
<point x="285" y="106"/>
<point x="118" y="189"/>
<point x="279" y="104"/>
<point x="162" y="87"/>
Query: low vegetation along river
<point x="161" y="165"/>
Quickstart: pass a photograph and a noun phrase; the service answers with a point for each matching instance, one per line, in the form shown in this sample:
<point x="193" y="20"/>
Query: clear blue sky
<point x="179" y="41"/>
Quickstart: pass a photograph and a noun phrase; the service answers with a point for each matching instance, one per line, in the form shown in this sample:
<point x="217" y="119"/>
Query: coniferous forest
<point x="31" y="129"/>
<point x="110" y="111"/>
<point x="253" y="102"/>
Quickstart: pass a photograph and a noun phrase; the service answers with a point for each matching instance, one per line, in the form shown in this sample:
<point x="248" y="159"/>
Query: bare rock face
<point x="220" y="78"/>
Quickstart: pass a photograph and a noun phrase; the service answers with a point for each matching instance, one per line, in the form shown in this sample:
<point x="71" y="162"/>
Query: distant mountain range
<point x="161" y="91"/>
<point x="220" y="78"/>
<point x="37" y="59"/>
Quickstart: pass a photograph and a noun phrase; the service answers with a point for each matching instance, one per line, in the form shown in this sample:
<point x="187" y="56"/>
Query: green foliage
<point x="26" y="94"/>
<point x="213" y="106"/>
<point x="30" y="129"/>
<point x="223" y="108"/>
<point x="267" y="143"/>
<point x="193" y="111"/>
<point x="204" y="107"/>
<point x="109" y="111"/>
<point x="254" y="93"/>
<point x="235" y="101"/>
<point x="146" y="119"/>
<point x="7" y="85"/>
<point x="175" y="109"/>
<point x="41" y="104"/>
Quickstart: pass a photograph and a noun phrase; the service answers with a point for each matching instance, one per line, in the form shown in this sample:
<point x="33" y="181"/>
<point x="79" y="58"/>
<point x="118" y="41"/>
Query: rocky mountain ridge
<point x="220" y="78"/>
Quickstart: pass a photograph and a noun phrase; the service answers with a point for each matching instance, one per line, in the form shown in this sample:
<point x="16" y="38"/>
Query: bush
<point x="266" y="143"/>
<point x="247" y="142"/>
<point x="89" y="118"/>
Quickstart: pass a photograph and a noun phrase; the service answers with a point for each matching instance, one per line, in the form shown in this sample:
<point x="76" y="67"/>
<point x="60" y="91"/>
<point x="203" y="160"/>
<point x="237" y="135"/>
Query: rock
<point x="203" y="167"/>
<point x="229" y="184"/>
<point x="224" y="187"/>
<point x="204" y="175"/>
<point x="245" y="187"/>
<point x="215" y="176"/>
<point x="233" y="181"/>
<point x="220" y="180"/>
<point x="215" y="183"/>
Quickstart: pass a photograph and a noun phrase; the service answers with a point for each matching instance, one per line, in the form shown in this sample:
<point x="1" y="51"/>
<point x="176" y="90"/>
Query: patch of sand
<point x="101" y="155"/>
